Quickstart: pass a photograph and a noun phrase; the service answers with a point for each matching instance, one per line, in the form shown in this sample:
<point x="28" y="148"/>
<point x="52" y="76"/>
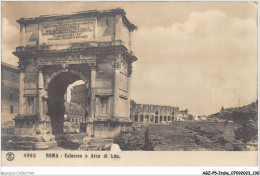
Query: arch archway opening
<point x="59" y="101"/>
<point x="141" y="118"/>
<point x="156" y="119"/>
<point x="136" y="118"/>
<point x="147" y="118"/>
<point x="161" y="119"/>
<point x="152" y="118"/>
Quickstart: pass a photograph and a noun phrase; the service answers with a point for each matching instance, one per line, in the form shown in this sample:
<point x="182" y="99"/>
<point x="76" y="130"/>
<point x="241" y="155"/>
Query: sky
<point x="195" y="55"/>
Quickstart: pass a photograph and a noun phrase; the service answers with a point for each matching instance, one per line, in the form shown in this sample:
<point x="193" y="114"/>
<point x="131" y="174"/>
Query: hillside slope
<point x="245" y="119"/>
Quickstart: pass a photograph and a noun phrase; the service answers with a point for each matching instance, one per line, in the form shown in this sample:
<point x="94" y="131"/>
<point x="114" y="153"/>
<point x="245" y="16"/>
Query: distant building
<point x="80" y="95"/>
<point x="190" y="117"/>
<point x="146" y="113"/>
<point x="195" y="118"/>
<point x="183" y="115"/>
<point x="202" y="118"/>
<point x="74" y="112"/>
<point x="9" y="91"/>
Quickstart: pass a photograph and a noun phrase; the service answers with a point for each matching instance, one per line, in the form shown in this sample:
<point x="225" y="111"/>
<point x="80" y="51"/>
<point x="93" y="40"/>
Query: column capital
<point x="40" y="68"/>
<point x="117" y="65"/>
<point x="64" y="67"/>
<point x="93" y="66"/>
<point x="21" y="66"/>
<point x="129" y="71"/>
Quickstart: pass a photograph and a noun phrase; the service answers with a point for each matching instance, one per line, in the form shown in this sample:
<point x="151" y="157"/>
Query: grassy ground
<point x="187" y="137"/>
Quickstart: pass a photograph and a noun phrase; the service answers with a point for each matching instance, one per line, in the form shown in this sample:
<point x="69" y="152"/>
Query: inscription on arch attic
<point x="61" y="30"/>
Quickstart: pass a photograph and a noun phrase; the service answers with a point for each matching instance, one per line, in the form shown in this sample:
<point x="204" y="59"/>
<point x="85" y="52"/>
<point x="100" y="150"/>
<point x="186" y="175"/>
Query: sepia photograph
<point x="130" y="78"/>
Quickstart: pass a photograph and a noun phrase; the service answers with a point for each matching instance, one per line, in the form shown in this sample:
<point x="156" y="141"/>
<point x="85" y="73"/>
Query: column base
<point x="31" y="134"/>
<point x="32" y="125"/>
<point x="25" y="124"/>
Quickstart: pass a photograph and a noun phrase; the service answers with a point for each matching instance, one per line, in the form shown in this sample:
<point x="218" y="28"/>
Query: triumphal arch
<point x="57" y="50"/>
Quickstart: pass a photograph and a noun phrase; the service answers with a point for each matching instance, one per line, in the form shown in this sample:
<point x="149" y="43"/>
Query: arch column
<point x="129" y="90"/>
<point x="92" y="90"/>
<point x="116" y="66"/>
<point x="21" y="89"/>
<point x="40" y="92"/>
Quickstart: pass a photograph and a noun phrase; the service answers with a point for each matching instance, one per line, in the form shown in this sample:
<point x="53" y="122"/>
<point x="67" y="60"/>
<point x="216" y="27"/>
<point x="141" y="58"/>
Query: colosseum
<point x="146" y="113"/>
